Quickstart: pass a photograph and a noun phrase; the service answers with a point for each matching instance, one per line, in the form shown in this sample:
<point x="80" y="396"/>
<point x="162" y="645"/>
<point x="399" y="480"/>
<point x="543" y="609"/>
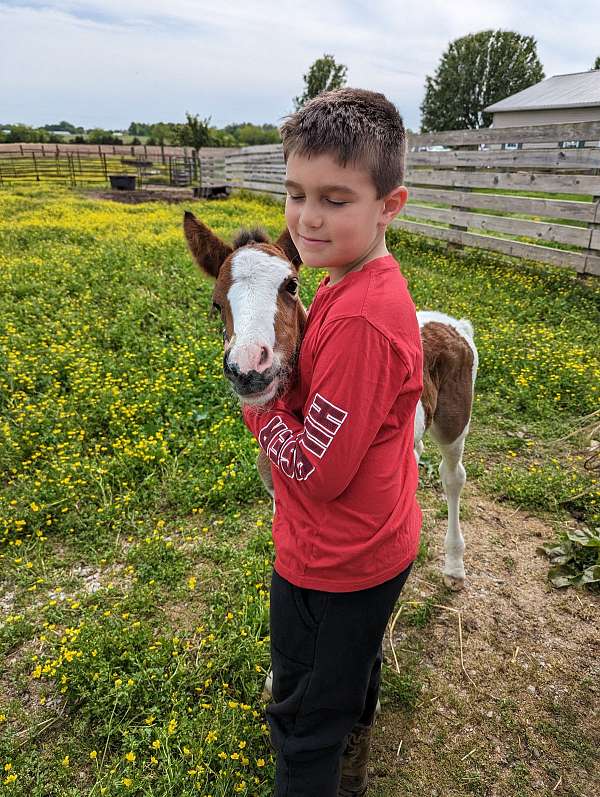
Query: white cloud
<point x="110" y="62"/>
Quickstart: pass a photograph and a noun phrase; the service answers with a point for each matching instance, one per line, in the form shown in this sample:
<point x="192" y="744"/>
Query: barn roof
<point x="579" y="90"/>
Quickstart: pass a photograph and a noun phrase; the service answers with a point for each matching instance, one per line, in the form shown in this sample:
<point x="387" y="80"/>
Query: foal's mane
<point x="256" y="235"/>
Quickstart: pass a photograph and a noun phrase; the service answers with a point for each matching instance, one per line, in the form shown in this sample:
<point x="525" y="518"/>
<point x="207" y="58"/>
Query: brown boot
<point x="354" y="779"/>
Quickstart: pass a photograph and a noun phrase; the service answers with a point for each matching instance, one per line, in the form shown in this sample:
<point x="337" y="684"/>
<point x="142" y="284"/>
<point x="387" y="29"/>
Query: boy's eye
<point x="295" y="197"/>
<point x="336" y="202"/>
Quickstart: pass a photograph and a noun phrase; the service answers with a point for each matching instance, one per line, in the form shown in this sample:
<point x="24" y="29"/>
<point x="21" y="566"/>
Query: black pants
<point x="326" y="655"/>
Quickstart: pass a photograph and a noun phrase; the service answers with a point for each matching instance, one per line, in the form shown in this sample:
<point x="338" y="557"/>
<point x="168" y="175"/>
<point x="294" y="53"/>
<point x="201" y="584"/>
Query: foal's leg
<point x="453" y="476"/>
<point x="418" y="450"/>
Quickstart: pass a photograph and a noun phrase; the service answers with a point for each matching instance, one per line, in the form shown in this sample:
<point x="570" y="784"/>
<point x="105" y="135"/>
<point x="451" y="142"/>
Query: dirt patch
<point x="524" y="717"/>
<point x="170" y="195"/>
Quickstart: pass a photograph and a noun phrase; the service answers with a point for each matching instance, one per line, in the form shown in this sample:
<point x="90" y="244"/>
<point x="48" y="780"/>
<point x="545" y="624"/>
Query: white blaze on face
<point x="255" y="281"/>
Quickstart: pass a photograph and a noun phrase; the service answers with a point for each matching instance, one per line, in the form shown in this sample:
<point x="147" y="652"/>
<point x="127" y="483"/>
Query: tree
<point x="323" y="75"/>
<point x="64" y="125"/>
<point x="246" y="133"/>
<point x="194" y="133"/>
<point x="474" y="72"/>
<point x="139" y="129"/>
<point x="597" y="63"/>
<point x="100" y="136"/>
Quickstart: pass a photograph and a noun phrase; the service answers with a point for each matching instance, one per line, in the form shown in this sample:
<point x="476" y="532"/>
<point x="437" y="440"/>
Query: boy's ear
<point x="209" y="251"/>
<point x="394" y="202"/>
<point x="285" y="243"/>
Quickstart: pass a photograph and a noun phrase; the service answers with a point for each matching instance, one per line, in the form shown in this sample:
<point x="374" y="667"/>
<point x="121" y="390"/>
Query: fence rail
<point x="154" y="153"/>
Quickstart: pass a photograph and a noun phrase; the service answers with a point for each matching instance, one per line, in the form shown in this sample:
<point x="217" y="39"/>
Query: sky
<point x="106" y="63"/>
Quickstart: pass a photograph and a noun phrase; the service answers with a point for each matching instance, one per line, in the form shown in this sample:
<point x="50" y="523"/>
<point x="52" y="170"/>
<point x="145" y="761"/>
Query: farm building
<point x="556" y="100"/>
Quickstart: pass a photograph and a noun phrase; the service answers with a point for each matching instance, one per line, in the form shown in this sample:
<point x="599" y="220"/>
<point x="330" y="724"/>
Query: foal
<point x="256" y="294"/>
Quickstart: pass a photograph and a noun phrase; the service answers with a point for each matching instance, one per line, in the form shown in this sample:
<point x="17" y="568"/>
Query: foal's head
<point x="256" y="294"/>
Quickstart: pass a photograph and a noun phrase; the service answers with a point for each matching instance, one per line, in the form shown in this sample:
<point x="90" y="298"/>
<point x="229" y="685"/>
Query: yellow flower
<point x="65" y="761"/>
<point x="260" y="762"/>
<point x="127" y="782"/>
<point x="93" y="755"/>
<point x="130" y="756"/>
<point x="156" y="744"/>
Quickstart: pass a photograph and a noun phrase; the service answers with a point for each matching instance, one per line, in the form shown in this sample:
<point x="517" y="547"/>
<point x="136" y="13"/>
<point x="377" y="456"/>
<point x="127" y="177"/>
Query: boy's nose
<point x="311" y="217"/>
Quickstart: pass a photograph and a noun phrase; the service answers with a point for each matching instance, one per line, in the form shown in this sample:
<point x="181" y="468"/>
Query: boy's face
<point x="332" y="211"/>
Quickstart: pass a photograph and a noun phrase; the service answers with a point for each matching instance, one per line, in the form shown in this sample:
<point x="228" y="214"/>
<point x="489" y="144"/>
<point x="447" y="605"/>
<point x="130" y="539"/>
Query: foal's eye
<point x="216" y="307"/>
<point x="292" y="287"/>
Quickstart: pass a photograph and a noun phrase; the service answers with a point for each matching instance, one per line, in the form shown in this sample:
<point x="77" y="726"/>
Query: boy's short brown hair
<point x="357" y="127"/>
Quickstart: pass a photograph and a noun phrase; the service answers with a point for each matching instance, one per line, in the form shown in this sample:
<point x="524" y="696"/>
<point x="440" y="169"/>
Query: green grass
<point x="134" y="548"/>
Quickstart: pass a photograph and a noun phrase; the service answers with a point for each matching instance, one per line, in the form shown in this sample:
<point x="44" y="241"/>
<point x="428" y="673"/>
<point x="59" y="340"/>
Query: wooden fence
<point x="88" y="165"/>
<point x="467" y="189"/>
<point x="153" y="153"/>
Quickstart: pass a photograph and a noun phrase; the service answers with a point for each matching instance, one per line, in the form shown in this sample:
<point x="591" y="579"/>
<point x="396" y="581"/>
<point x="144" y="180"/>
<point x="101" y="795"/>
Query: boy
<point x="346" y="525"/>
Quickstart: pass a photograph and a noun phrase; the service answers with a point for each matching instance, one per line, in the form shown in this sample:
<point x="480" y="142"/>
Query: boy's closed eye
<point x="336" y="202"/>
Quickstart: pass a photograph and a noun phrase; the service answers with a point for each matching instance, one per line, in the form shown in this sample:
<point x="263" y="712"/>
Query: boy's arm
<point x="357" y="377"/>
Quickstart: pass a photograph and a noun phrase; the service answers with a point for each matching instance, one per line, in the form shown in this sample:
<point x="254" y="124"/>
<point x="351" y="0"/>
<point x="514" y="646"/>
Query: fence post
<point x="196" y="166"/>
<point x="105" y="168"/>
<point x="461" y="227"/>
<point x="593" y="249"/>
<point x="37" y="176"/>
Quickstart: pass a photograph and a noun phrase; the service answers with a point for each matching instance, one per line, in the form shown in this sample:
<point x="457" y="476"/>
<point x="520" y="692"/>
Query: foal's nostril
<point x="230" y="369"/>
<point x="265" y="359"/>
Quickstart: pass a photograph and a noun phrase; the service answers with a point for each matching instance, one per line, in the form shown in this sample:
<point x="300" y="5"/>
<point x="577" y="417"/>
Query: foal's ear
<point x="289" y="248"/>
<point x="209" y="251"/>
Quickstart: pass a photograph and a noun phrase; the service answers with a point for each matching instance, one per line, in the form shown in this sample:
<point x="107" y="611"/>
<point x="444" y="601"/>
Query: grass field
<point x="135" y="550"/>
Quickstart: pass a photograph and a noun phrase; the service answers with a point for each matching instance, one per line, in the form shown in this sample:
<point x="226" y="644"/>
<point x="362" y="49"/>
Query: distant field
<point x="134" y="533"/>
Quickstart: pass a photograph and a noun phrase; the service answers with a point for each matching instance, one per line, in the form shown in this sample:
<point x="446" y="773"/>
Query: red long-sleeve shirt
<point x="341" y="441"/>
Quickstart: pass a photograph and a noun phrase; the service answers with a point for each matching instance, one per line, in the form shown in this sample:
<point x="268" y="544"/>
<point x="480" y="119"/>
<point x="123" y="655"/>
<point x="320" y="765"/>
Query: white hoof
<point x="454" y="583"/>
